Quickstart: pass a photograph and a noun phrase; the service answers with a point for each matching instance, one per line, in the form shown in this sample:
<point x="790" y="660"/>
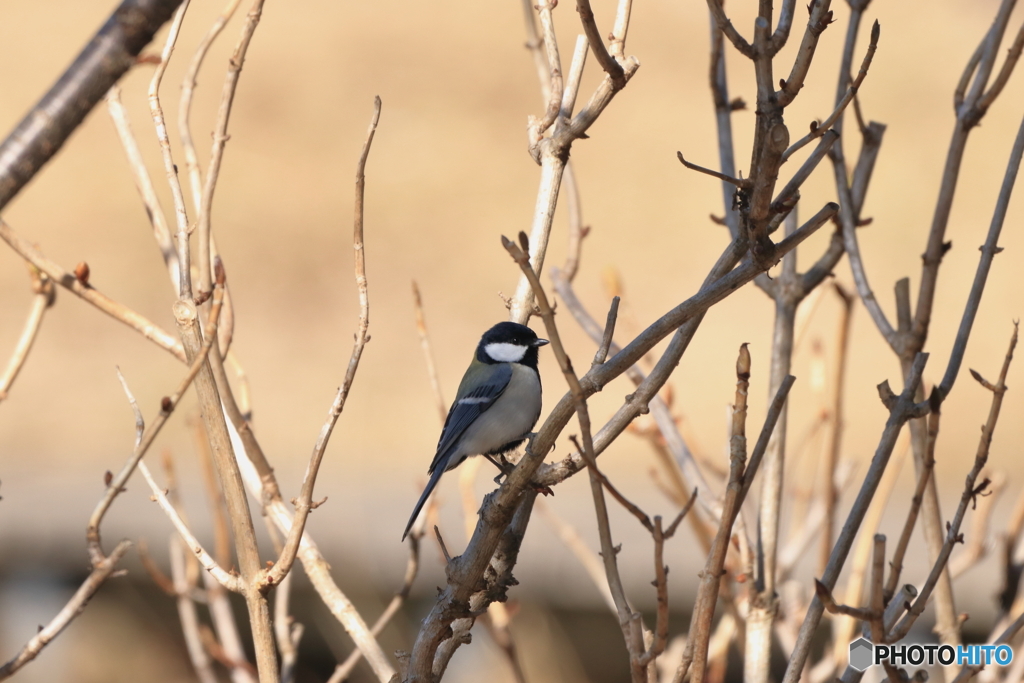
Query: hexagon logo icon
<point x="861" y="651"/>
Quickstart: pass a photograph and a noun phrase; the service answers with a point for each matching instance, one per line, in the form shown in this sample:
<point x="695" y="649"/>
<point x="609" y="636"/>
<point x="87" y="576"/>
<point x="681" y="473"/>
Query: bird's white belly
<point x="500" y="424"/>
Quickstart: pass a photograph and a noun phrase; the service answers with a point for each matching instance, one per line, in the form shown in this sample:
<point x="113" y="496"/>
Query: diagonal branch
<point x="100" y="573"/>
<point x="110" y="53"/>
<point x="87" y="292"/>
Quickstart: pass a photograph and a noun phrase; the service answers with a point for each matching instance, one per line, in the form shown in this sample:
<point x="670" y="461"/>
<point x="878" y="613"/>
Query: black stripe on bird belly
<point x="507" y="448"/>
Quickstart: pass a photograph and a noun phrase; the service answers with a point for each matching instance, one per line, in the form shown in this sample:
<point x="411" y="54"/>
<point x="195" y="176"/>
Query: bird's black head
<point x="509" y="343"/>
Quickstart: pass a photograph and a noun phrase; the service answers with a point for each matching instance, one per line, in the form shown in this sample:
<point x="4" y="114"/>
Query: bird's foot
<point x="529" y="441"/>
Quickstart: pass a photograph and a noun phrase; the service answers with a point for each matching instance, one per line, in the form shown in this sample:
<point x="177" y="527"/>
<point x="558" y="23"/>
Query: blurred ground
<point x="448" y="174"/>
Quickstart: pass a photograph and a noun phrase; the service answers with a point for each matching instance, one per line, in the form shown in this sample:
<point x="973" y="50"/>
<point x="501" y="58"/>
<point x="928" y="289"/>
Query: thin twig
<point x="901" y="409"/>
<point x="220" y="138"/>
<point x="714" y="174"/>
<point x="87" y="292"/>
<point x="819" y="129"/>
<point x="304" y="504"/>
<point x="428" y="356"/>
<point x="988" y="253"/>
<point x="967" y="497"/>
<point x="143" y="182"/>
<point x="188" y="87"/>
<point x="100" y="573"/>
<point x="896" y="563"/>
<point x="188" y="615"/>
<point x="632" y="634"/>
<point x="594" y="36"/>
<point x="184" y="283"/>
<point x="43" y="296"/>
<point x="416" y="534"/>
<point x="167" y="406"/>
<point x="838" y="385"/>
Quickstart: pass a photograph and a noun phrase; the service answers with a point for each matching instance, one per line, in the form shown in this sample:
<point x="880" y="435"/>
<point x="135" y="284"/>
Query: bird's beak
<point x="541" y="342"/>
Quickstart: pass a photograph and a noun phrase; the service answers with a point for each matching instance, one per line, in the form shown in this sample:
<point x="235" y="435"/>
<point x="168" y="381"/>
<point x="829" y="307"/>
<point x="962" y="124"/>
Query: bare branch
<point x="87" y="292"/>
<point x="188" y="616"/>
<point x="838" y="385"/>
<point x="902" y="409"/>
<point x="607" y="62"/>
<point x="969" y="495"/>
<point x="707" y="171"/>
<point x="988" y="253"/>
<point x="110" y="53"/>
<point x="305" y="501"/>
<point x="220" y="139"/>
<point x="167" y="406"/>
<point x="726" y="27"/>
<point x="74" y="607"/>
<point x="184" y="281"/>
<point x="819" y="129"/>
<point x="143" y="182"/>
<point x="819" y="20"/>
<point x="421" y="329"/>
<point x="43" y="296"/>
<point x="188" y="87"/>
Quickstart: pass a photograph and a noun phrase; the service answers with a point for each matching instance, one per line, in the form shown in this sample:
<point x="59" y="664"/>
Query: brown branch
<point x="162" y="581"/>
<point x="819" y="129"/>
<point x="500" y="507"/>
<point x="632" y="632"/>
<point x="988" y="253"/>
<point x="723" y="120"/>
<point x="188" y="87"/>
<point x="831" y="459"/>
<point x="832" y="607"/>
<point x="723" y="280"/>
<point x="714" y="174"/>
<point x="190" y="625"/>
<point x="915" y="503"/>
<point x="901" y="409"/>
<point x="87" y="292"/>
<point x="428" y="356"/>
<point x="726" y="27"/>
<point x="167" y="406"/>
<point x="978" y="546"/>
<point x="184" y="282"/>
<point x="100" y="573"/>
<point x="971" y="492"/>
<point x="608" y="63"/>
<point x="110" y="53"/>
<point x="43" y="296"/>
<point x="819" y="20"/>
<point x="143" y="182"/>
<point x="304" y="504"/>
<point x="287" y="631"/>
<point x="220" y="138"/>
<point x="741" y="477"/>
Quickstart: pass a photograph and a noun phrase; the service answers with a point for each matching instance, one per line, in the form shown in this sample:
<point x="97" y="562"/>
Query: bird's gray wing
<point x="468" y="408"/>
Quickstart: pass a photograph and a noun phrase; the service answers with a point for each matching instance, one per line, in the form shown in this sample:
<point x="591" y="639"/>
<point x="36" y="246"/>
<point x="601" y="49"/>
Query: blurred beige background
<point x="448" y="175"/>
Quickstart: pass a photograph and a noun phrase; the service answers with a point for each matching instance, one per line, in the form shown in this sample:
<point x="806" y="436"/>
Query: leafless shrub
<point x="746" y="564"/>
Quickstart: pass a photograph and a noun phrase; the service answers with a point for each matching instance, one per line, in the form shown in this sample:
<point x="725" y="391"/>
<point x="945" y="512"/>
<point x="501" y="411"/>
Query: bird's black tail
<point x="434" y="478"/>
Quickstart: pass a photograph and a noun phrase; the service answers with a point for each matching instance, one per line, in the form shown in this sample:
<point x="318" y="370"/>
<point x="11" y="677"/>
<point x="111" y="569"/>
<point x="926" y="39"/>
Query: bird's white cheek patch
<point x="505" y="353"/>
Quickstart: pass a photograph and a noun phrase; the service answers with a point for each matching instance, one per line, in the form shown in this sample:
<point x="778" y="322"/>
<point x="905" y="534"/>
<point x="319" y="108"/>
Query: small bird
<point x="497" y="404"/>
